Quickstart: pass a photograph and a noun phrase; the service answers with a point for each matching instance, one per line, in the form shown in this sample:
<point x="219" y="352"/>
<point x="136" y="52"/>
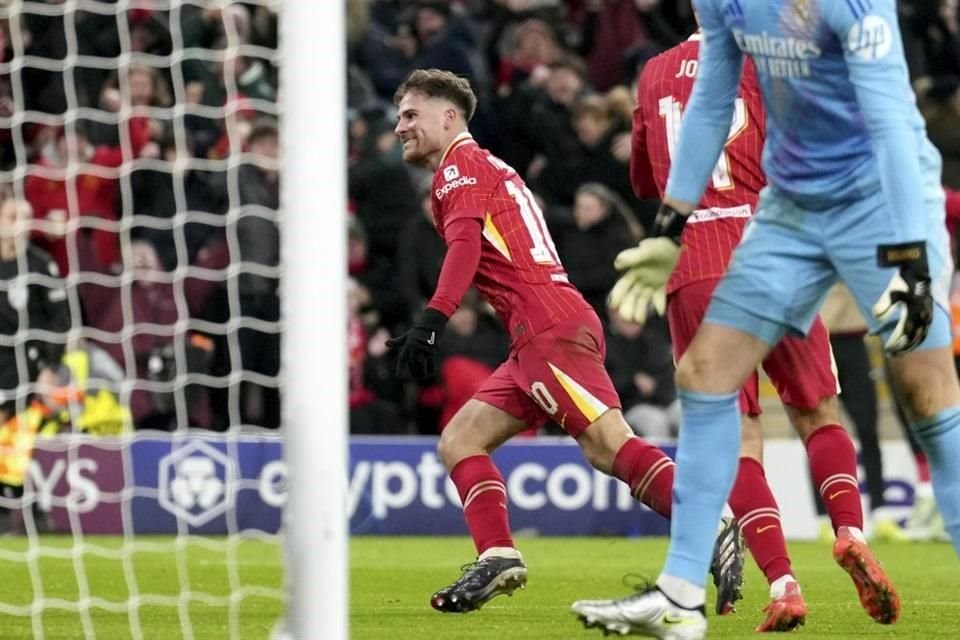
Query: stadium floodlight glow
<point x="313" y="85"/>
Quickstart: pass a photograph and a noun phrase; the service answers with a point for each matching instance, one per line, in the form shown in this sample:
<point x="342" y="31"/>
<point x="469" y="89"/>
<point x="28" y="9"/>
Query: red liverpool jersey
<point x="519" y="273"/>
<point x="713" y="230"/>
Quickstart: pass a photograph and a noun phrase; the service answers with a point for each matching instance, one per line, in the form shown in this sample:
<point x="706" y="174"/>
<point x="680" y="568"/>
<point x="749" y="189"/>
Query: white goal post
<point x="313" y="129"/>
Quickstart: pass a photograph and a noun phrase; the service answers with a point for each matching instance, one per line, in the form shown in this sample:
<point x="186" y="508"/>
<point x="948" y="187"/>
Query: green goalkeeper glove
<point x="633" y="300"/>
<point x="653" y="260"/>
<point x="647" y="268"/>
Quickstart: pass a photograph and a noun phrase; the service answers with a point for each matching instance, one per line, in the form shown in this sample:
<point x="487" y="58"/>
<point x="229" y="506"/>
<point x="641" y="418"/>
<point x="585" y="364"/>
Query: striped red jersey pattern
<point x="714" y="230"/>
<point x="519" y="273"/>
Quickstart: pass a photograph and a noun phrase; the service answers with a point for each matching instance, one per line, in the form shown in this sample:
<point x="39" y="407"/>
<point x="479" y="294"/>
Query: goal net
<point x="142" y="471"/>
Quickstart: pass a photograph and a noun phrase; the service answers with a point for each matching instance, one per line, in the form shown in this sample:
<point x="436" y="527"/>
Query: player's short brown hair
<point x="436" y="83"/>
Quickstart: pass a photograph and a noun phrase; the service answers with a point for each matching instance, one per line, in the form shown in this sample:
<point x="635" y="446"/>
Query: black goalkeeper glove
<point x="907" y="294"/>
<point x="669" y="223"/>
<point x="419" y="347"/>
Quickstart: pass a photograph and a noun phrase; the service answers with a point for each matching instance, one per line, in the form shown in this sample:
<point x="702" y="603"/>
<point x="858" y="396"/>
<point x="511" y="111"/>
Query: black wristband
<point x="669" y="223"/>
<point x="895" y="255"/>
<point x="433" y="320"/>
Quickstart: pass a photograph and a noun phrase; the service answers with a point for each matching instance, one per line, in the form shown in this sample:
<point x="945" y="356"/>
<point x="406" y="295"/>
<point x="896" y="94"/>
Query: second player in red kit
<point x="731" y="196"/>
<point x="714" y="230"/>
<point x="498" y="241"/>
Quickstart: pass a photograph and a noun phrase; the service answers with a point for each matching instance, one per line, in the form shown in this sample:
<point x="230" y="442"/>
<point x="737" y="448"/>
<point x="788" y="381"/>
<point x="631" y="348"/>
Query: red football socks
<point x="757" y="512"/>
<point x="649" y="473"/>
<point x="484" y="498"/>
<point x="833" y="465"/>
<point x="923" y="467"/>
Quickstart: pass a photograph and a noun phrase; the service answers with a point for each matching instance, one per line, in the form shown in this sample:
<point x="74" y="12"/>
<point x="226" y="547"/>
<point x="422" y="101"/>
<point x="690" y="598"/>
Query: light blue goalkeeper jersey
<point x="842" y="120"/>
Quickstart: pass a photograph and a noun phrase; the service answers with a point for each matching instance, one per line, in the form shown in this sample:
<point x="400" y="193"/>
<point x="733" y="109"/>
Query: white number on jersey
<point x="672" y="112"/>
<point x="543" y="250"/>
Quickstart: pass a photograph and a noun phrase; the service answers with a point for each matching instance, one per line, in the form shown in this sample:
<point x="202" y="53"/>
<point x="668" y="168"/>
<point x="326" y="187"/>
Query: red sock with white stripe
<point x="833" y="465"/>
<point x="484" y="498"/>
<point x="649" y="473"/>
<point x="757" y="513"/>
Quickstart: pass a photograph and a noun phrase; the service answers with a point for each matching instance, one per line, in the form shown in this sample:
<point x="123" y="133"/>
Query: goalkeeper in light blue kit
<point x="854" y="193"/>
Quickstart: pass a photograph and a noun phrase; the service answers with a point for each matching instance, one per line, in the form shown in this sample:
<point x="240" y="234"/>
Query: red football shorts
<point x="558" y="375"/>
<point x="802" y="370"/>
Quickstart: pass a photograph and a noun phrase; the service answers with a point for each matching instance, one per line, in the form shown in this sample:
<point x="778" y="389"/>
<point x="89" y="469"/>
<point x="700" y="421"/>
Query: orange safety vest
<point x="17" y="436"/>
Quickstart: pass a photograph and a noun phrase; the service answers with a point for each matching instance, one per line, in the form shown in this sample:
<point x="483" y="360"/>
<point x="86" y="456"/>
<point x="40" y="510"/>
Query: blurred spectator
<point x="43" y="36"/>
<point x="360" y="91"/>
<point x="378" y="273"/>
<point x="536" y="119"/>
<point x="247" y="74"/>
<point x="148" y="355"/>
<point x="941" y="108"/>
<point x="75" y="215"/>
<point x="533" y="46"/>
<point x="367" y="365"/>
<point x="930" y="30"/>
<point x="420" y="255"/>
<point x="258" y="241"/>
<point x="39" y="305"/>
<point x="206" y="28"/>
<point x="7" y="107"/>
<point x="380" y="184"/>
<point x="619" y="34"/>
<point x="240" y="120"/>
<point x="603" y="155"/>
<point x="145" y="86"/>
<point x="86" y="400"/>
<point x="154" y="193"/>
<point x="232" y="80"/>
<point x="602" y="227"/>
<point x="358" y="21"/>
<point x="640" y="363"/>
<point x="384" y="53"/>
<point x="96" y="195"/>
<point x="438" y="44"/>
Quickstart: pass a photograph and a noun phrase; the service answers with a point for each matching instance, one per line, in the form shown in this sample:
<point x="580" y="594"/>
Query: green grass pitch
<point x="392" y="579"/>
<point x="160" y="569"/>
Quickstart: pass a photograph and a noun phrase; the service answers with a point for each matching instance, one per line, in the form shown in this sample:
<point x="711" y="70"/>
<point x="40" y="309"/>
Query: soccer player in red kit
<point x="497" y="240"/>
<point x="800" y="369"/>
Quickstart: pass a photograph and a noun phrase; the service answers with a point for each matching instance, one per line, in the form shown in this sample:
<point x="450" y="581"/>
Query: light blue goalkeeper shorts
<point x="790" y="256"/>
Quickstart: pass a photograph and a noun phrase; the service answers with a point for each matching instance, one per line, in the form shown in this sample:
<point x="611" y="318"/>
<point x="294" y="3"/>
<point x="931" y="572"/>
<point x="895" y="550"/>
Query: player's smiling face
<point x="425" y="126"/>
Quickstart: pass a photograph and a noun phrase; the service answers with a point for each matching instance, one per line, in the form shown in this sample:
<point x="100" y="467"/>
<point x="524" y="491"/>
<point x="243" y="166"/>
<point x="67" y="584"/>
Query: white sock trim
<point x="855" y="532"/>
<point x="727" y="511"/>
<point x="685" y="593"/>
<point x="500" y="552"/>
<point x="779" y="586"/>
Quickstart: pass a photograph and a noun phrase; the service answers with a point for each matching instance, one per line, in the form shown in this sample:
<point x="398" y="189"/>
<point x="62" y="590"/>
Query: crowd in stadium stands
<point x="555" y="80"/>
<point x="129" y="275"/>
<point x="555" y="84"/>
